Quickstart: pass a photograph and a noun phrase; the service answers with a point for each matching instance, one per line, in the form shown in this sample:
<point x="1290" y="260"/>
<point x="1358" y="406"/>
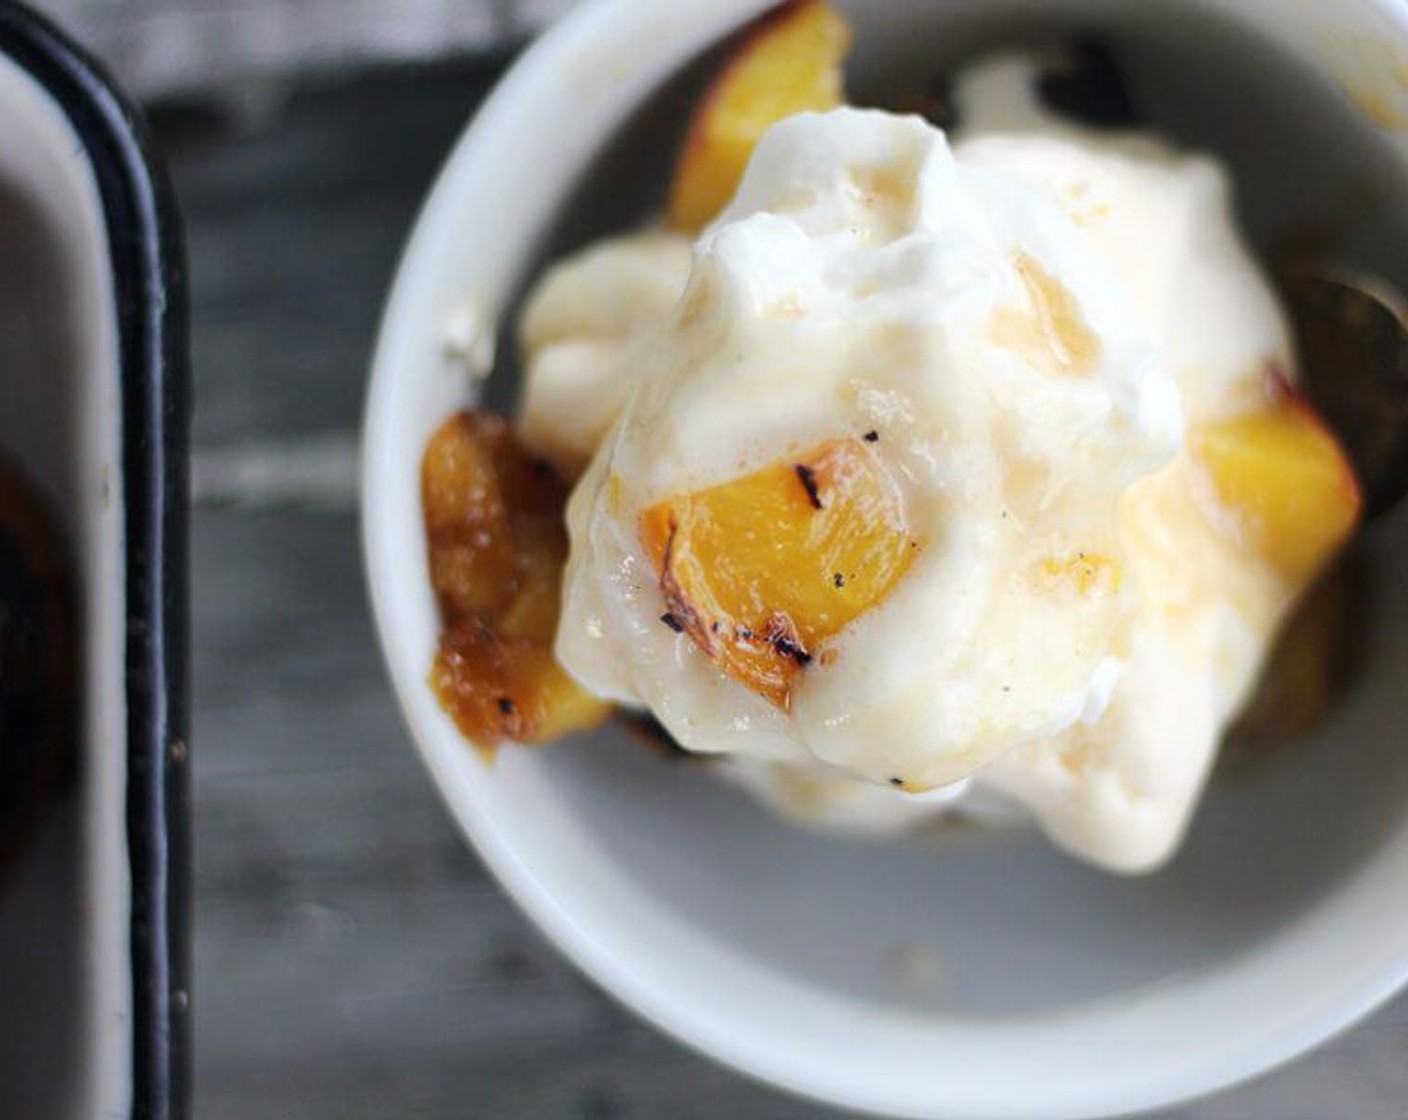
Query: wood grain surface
<point x="353" y="959"/>
<point x="160" y="47"/>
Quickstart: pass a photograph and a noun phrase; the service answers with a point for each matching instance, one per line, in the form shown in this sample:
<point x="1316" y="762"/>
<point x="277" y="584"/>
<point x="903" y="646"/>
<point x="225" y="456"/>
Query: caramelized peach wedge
<point x="760" y="572"/>
<point x="1286" y="480"/>
<point x="788" y="62"/>
<point x="497" y="546"/>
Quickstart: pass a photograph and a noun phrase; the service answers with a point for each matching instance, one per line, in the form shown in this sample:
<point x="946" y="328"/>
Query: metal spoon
<point x="1353" y="338"/>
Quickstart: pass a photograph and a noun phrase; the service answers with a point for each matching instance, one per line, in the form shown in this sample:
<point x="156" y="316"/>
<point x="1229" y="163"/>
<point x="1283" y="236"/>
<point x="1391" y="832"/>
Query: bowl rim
<point x="573" y="43"/>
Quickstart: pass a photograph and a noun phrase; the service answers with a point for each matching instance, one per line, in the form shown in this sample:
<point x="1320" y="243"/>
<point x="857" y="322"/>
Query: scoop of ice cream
<point x="1014" y="321"/>
<point x="865" y="281"/>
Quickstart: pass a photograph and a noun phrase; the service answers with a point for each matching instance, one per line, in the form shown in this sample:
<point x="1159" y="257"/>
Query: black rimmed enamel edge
<point x="149" y="287"/>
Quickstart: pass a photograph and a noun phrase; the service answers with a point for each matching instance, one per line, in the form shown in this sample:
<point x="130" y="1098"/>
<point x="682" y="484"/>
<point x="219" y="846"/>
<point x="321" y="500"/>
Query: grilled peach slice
<point x="1285" y="479"/>
<point x="497" y="541"/>
<point x="788" y="62"/>
<point x="761" y="571"/>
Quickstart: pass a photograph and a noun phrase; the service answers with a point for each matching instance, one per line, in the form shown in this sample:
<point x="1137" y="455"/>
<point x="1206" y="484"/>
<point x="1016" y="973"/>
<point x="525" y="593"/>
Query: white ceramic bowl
<point x="973" y="976"/>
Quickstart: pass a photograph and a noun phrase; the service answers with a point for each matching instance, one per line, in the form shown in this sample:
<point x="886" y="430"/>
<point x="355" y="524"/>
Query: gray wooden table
<point x="353" y="959"/>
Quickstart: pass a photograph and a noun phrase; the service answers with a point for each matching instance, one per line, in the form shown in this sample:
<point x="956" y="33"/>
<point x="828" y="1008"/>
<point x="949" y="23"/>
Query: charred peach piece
<point x="1285" y="478"/>
<point x="494" y="525"/>
<point x="760" y="572"/>
<point x="789" y="62"/>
